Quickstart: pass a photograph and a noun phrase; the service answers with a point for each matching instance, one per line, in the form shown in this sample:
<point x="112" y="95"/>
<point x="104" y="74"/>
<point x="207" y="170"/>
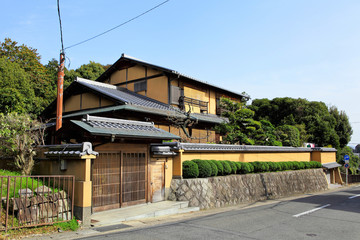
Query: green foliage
<point x="246" y="168"/>
<point x="260" y="166"/>
<point x="16" y="92"/>
<point x="233" y="166"/>
<point x="354" y="160"/>
<point x="204" y="168"/>
<point x="72" y="225"/>
<point x="91" y="71"/>
<point x="190" y="169"/>
<point x="227" y="168"/>
<point x="289" y="135"/>
<point x="219" y="166"/>
<point x="19" y="135"/>
<point x="41" y="90"/>
<point x="315" y="121"/>
<point x="214" y="169"/>
<point x="21" y="183"/>
<point x="238" y="167"/>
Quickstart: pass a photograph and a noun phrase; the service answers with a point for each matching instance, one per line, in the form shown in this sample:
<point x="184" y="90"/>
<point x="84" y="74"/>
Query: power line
<point x="122" y="24"/>
<point x="61" y="35"/>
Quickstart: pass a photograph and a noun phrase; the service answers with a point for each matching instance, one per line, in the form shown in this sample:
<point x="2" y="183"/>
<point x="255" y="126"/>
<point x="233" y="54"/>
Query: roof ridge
<point x="115" y="120"/>
<point x="93" y="82"/>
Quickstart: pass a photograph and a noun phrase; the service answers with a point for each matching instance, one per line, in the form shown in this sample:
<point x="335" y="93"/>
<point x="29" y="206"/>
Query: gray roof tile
<point x="123" y="128"/>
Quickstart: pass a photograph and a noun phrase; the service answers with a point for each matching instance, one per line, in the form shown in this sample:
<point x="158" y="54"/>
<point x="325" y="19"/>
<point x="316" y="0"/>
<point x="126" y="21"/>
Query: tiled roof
<point x="127" y="57"/>
<point x="79" y="150"/>
<point x="235" y="148"/>
<point x="122" y="128"/>
<point x="204" y="117"/>
<point x="331" y="165"/>
<point x="123" y="95"/>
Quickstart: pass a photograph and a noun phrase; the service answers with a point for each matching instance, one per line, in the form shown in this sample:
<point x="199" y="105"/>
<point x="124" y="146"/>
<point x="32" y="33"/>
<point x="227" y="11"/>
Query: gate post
<point x="83" y="193"/>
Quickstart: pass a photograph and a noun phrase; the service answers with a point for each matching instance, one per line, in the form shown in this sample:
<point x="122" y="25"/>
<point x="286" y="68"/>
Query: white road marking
<point x="311" y="211"/>
<point x="354" y="196"/>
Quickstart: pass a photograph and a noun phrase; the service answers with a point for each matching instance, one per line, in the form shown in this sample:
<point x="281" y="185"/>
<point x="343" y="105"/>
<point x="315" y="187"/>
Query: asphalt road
<point x="333" y="215"/>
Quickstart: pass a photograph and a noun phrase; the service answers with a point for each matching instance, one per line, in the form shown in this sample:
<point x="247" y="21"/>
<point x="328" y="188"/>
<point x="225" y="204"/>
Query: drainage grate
<point x="111" y="228"/>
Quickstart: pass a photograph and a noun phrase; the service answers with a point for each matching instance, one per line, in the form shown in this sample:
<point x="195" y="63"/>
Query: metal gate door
<point x="134" y="180"/>
<point x="106" y="180"/>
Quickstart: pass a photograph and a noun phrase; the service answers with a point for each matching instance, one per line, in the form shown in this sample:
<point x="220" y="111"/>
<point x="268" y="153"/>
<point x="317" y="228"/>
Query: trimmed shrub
<point x="315" y="164"/>
<point x="272" y="166"/>
<point x="307" y="165"/>
<point x="291" y="165"/>
<point x="302" y="165"/>
<point x="233" y="166"/>
<point x="214" y="169"/>
<point x="190" y="169"/>
<point x="238" y="166"/>
<point x="246" y="168"/>
<point x="219" y="166"/>
<point x="284" y="166"/>
<point x="277" y="166"/>
<point x="227" y="168"/>
<point x="296" y="165"/>
<point x="260" y="166"/>
<point x="204" y="168"/>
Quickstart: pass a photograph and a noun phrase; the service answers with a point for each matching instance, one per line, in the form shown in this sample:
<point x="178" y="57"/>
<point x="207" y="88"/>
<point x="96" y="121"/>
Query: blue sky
<point x="279" y="48"/>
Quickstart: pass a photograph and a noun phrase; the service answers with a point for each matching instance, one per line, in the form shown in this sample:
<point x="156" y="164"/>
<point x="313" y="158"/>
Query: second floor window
<point x="140" y="86"/>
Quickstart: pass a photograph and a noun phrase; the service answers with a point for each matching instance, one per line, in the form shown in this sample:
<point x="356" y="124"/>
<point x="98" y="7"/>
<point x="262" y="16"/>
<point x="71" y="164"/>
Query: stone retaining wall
<point x="235" y="189"/>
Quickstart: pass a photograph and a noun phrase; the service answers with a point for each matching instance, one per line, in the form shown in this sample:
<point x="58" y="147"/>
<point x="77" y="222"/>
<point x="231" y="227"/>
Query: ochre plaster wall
<point x="248" y="157"/>
<point x="323" y="157"/>
<point x="85" y="101"/>
<point x="81" y="169"/>
<point x="157" y="88"/>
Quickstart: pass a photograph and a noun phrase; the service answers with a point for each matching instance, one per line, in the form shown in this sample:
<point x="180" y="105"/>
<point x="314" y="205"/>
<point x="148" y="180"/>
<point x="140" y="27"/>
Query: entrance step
<point x="141" y="211"/>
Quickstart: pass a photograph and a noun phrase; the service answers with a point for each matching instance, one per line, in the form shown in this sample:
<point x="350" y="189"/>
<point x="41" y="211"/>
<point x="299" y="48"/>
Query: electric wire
<point x="122" y="24"/>
<point x="61" y="34"/>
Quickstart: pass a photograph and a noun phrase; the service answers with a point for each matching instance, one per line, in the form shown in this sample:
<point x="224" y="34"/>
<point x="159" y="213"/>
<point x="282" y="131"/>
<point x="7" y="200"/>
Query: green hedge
<point x="190" y="169"/>
<point x="233" y="167"/>
<point x="207" y="168"/>
<point x="227" y="168"/>
<point x="204" y="168"/>
<point x="214" y="169"/>
<point x="219" y="166"/>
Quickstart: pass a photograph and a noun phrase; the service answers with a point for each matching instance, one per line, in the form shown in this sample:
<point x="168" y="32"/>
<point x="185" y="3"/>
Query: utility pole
<point x="60" y="90"/>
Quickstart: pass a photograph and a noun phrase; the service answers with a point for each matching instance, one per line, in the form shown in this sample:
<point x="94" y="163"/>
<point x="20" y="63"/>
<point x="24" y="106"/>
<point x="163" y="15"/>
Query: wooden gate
<point x="119" y="179"/>
<point x="134" y="178"/>
<point x="106" y="178"/>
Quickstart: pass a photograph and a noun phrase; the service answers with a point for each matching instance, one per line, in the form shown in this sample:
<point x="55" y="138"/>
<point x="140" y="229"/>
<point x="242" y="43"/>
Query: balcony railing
<point x="194" y="102"/>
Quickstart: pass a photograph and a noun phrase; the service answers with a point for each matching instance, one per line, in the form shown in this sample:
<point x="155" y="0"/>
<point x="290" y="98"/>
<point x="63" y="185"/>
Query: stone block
<point x="42" y="190"/>
<point x="25" y="192"/>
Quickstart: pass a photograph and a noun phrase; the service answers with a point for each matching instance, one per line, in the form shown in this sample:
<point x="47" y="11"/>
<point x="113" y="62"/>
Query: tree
<point x="29" y="60"/>
<point x="91" y="71"/>
<point x="16" y="93"/>
<point x="19" y="135"/>
<point x="317" y="123"/>
<point x="289" y="135"/>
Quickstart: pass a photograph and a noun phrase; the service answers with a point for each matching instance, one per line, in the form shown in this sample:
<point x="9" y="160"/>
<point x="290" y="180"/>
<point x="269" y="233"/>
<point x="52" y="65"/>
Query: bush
<point x="260" y="167"/>
<point x="204" y="168"/>
<point x="302" y="165"/>
<point x="291" y="165"/>
<point x="219" y="166"/>
<point x="272" y="166"/>
<point x="214" y="169"/>
<point x="246" y="168"/>
<point x="233" y="167"/>
<point x="227" y="168"/>
<point x="190" y="169"/>
<point x="315" y="164"/>
<point x="238" y="166"/>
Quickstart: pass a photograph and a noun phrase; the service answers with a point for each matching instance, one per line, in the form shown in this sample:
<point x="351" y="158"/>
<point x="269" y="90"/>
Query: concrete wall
<point x="236" y="189"/>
